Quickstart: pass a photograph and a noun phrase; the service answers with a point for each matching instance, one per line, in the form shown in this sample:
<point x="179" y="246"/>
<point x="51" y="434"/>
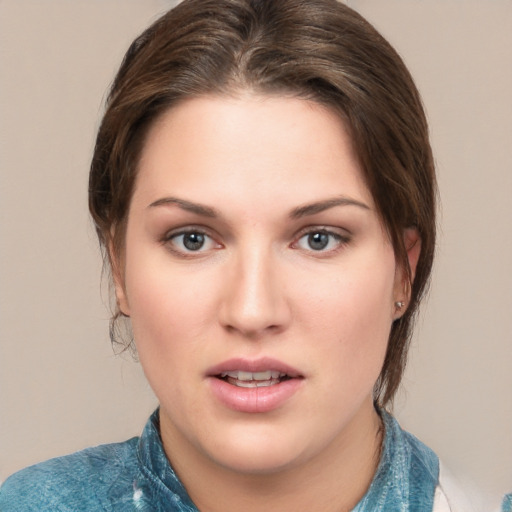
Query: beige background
<point x="62" y="389"/>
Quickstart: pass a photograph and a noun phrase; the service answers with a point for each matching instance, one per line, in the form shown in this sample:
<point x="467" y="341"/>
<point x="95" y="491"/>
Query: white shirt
<point x="453" y="496"/>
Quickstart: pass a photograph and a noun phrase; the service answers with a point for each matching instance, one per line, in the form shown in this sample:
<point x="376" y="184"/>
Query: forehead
<point x="249" y="148"/>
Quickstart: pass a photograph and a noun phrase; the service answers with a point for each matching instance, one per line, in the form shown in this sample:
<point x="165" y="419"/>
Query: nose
<point x="254" y="299"/>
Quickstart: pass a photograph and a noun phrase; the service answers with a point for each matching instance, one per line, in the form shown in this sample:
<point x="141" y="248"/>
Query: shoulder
<point x="75" y="482"/>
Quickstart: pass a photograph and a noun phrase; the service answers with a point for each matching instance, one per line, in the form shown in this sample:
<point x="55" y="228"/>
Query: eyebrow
<point x="296" y="213"/>
<point x="320" y="206"/>
<point x="198" y="209"/>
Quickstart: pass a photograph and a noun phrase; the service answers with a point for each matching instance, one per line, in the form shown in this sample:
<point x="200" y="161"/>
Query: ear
<point x="412" y="242"/>
<point x="117" y="267"/>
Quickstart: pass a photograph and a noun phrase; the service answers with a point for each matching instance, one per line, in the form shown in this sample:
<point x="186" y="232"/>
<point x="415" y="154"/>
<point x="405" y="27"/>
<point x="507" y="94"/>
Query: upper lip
<point x="253" y="365"/>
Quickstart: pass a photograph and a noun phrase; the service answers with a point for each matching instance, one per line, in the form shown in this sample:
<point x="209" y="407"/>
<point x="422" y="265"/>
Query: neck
<point x="333" y="481"/>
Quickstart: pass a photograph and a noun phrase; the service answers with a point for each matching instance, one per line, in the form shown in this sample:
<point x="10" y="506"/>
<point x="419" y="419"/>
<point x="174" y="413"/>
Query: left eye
<point x="320" y="240"/>
<point x="192" y="241"/>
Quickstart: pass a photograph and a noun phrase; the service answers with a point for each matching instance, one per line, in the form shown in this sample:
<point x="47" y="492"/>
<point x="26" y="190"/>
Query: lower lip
<point x="254" y="400"/>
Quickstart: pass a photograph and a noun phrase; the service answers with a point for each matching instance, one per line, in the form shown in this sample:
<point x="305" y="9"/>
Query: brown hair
<point x="317" y="49"/>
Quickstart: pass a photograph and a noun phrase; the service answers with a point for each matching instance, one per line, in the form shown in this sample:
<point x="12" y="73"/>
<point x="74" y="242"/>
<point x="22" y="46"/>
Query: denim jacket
<point x="507" y="503"/>
<point x="136" y="476"/>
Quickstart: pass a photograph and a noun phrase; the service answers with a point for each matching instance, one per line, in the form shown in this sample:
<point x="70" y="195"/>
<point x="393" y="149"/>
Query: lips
<point x="254" y="386"/>
<point x="263" y="364"/>
<point x="254" y="379"/>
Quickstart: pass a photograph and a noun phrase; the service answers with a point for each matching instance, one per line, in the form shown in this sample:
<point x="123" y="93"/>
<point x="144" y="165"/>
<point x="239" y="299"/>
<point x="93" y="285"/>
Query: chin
<point x="261" y="453"/>
<point x="257" y="462"/>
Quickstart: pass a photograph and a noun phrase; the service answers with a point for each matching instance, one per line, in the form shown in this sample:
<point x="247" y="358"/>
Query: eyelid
<point x="188" y="228"/>
<point x="323" y="228"/>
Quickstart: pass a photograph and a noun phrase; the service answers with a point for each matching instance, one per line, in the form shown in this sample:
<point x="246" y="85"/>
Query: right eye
<point x="193" y="241"/>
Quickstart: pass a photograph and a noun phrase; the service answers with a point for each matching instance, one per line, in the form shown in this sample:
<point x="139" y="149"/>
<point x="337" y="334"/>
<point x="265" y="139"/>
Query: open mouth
<point x="245" y="379"/>
<point x="254" y="386"/>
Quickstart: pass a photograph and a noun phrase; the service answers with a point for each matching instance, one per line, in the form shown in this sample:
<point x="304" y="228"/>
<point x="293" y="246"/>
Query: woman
<point x="263" y="186"/>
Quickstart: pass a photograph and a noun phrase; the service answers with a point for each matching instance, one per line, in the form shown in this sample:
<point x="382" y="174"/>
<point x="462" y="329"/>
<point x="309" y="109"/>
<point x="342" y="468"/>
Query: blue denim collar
<point x="405" y="480"/>
<point x="507" y="503"/>
<point x="406" y="477"/>
<point x="157" y="470"/>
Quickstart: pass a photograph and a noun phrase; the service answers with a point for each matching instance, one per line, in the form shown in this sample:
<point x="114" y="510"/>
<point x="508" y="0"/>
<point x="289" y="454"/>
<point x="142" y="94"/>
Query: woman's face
<point x="259" y="281"/>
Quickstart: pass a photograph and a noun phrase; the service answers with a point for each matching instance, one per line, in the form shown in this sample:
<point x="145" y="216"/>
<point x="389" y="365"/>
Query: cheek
<point x="351" y="316"/>
<point x="168" y="315"/>
<point x="165" y="307"/>
<point x="362" y="299"/>
<point x="163" y="301"/>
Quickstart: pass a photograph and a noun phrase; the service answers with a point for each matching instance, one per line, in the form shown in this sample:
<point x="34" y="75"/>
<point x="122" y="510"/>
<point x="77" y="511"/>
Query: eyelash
<point x="333" y="237"/>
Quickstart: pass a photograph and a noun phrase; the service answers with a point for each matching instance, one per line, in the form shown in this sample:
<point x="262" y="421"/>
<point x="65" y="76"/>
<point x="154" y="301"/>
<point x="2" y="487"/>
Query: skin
<point x="258" y="288"/>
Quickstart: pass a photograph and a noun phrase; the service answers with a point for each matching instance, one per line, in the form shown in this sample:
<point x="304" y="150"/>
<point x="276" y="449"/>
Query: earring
<point x="399" y="304"/>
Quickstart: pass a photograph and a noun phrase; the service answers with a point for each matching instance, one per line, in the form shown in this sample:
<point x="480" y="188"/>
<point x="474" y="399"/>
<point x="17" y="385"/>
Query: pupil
<point x="318" y="241"/>
<point x="193" y="241"/>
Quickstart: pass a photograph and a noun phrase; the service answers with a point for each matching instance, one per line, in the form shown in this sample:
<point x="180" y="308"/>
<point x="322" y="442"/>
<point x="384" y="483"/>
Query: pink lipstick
<point x="258" y="386"/>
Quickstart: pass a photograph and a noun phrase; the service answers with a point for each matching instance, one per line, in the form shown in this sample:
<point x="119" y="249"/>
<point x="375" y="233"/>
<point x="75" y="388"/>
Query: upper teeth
<point x="266" y="375"/>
